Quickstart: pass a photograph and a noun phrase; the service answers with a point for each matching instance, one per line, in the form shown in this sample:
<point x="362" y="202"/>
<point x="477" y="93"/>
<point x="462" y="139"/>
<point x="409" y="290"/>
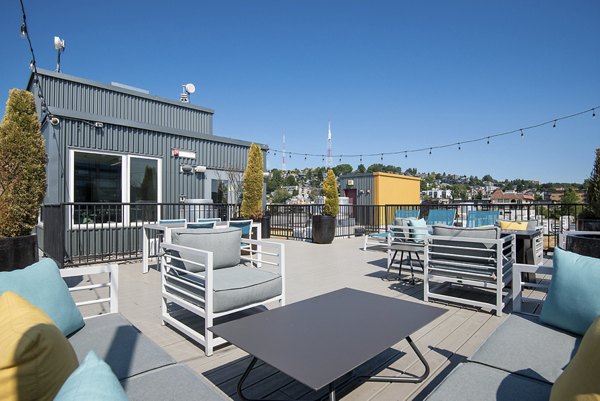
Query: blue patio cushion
<point x="572" y="303"/>
<point x="234" y="287"/>
<point x="525" y="346"/>
<point x="473" y="260"/>
<point x="175" y="382"/>
<point x="474" y="382"/>
<point x="223" y="243"/>
<point x="93" y="380"/>
<point x="42" y="285"/>
<point x="124" y="348"/>
<point x="418" y="230"/>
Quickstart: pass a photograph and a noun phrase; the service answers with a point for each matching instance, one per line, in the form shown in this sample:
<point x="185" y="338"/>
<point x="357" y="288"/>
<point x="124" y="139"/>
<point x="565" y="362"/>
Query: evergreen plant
<point x="253" y="185"/>
<point x="593" y="188"/>
<point x="22" y="165"/>
<point x="330" y="191"/>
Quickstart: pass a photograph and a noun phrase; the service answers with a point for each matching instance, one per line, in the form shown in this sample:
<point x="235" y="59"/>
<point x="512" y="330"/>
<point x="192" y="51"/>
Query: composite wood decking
<point x="311" y="270"/>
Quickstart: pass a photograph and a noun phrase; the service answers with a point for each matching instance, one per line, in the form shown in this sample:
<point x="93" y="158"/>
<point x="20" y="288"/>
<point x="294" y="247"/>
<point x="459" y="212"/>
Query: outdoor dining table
<point x="318" y="340"/>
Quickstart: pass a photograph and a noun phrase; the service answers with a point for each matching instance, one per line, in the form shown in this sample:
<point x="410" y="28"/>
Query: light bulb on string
<point x="405" y="155"/>
<point x="23" y="30"/>
<point x="430" y="150"/>
<point x="554" y="125"/>
<point x="340" y="159"/>
<point x="360" y="159"/>
<point x="488" y="140"/>
<point x="304" y="157"/>
<point x="522" y="133"/>
<point x="459" y="146"/>
<point x="382" y="157"/>
<point x="593" y="113"/>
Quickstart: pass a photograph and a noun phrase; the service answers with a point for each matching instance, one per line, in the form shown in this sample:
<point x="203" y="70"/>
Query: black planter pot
<point x="323" y="229"/>
<point x="18" y="252"/>
<point x="588" y="225"/>
<point x="584" y="244"/>
<point x="265" y="226"/>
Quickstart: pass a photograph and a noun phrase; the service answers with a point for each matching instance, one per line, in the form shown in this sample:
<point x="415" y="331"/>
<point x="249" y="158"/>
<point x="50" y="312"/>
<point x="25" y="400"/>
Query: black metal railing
<point x="82" y="233"/>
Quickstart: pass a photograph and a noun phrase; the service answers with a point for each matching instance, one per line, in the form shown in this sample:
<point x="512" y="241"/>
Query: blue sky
<point x="389" y="75"/>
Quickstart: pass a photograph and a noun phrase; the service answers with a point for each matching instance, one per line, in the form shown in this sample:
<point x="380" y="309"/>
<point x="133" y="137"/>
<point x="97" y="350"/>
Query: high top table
<point x="320" y="339"/>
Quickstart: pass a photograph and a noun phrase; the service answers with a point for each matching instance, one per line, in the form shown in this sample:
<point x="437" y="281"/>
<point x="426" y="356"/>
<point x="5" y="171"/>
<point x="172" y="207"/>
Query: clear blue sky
<point x="389" y="75"/>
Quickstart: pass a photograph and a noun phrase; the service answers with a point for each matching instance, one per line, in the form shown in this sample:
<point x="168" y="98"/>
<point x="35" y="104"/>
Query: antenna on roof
<point x="59" y="45"/>
<point x="188" y="89"/>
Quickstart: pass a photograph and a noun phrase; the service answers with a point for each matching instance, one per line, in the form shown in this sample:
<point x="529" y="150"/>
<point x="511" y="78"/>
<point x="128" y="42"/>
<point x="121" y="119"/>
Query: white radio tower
<point x="283" y="155"/>
<point x="329" y="148"/>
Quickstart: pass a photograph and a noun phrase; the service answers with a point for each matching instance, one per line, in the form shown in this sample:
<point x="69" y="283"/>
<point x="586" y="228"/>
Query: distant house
<point x="500" y="197"/>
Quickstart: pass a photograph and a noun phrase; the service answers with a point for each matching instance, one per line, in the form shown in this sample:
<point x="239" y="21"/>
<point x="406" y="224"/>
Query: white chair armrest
<point x="112" y="269"/>
<point x="518" y="283"/>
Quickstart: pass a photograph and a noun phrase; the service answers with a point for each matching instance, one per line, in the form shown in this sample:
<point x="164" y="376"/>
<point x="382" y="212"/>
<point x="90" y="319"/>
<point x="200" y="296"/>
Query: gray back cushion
<point x="466" y="233"/>
<point x="223" y="243"/>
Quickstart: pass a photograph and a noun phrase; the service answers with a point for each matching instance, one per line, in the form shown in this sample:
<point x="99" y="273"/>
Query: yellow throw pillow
<point x="35" y="357"/>
<point x="513" y="225"/>
<point x="581" y="381"/>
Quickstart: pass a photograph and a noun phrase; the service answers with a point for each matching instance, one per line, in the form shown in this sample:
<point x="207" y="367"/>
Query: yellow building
<point x="381" y="189"/>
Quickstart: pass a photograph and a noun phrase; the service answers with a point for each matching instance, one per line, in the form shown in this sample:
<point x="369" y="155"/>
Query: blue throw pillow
<point x="42" y="285"/>
<point x="419" y="231"/>
<point x="573" y="300"/>
<point x="93" y="380"/>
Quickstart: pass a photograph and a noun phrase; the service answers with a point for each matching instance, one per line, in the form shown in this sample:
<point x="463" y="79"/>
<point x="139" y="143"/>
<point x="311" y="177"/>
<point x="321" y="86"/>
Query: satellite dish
<point x="59" y="44"/>
<point x="190" y="88"/>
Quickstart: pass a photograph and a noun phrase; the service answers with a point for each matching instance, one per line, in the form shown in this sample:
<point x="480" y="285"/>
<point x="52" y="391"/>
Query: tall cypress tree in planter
<point x="323" y="227"/>
<point x="253" y="185"/>
<point x="22" y="180"/>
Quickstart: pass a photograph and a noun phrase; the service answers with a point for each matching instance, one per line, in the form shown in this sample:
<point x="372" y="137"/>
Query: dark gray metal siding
<point x="64" y="92"/>
<point x="362" y="182"/>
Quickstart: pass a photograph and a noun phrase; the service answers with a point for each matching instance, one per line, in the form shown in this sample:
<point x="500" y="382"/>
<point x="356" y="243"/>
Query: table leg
<point x="331" y="392"/>
<point x="404" y="379"/>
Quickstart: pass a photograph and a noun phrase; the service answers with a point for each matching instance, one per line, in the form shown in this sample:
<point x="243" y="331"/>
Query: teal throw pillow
<point x="93" y="380"/>
<point x="573" y="300"/>
<point x="419" y="230"/>
<point x="42" y="285"/>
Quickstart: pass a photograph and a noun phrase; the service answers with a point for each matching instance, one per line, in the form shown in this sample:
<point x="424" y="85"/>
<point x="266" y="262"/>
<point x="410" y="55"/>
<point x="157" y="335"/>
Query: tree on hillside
<point x="342" y="169"/>
<point x="570" y="197"/>
<point x="361" y="168"/>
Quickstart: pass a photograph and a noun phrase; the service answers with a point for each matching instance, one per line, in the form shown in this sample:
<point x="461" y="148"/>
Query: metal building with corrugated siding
<point x="112" y="143"/>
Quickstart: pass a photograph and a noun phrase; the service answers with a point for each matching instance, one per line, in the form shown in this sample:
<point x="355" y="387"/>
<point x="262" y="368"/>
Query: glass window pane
<point x="143" y="188"/>
<point x="97" y="178"/>
<point x="219" y="191"/>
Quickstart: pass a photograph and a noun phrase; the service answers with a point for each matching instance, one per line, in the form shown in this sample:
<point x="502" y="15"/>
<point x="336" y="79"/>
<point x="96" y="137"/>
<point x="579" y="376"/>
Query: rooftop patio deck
<point x="311" y="270"/>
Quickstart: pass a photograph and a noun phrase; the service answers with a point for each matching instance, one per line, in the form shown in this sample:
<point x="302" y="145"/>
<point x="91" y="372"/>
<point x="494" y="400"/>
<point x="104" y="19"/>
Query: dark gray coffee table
<point x="318" y="340"/>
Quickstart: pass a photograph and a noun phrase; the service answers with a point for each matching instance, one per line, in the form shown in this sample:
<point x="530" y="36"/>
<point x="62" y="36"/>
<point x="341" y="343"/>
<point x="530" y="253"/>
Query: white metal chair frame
<point x="202" y="296"/>
<point x="519" y="284"/>
<point x="112" y="269"/>
<point x="501" y="252"/>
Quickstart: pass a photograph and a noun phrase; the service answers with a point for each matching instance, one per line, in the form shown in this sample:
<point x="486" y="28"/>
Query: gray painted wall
<point x="362" y="182"/>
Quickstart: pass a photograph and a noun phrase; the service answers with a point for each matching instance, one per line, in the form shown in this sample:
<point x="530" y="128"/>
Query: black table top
<point x="318" y="340"/>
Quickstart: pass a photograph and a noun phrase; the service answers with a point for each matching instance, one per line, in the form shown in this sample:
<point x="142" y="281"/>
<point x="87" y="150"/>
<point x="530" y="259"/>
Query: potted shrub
<point x="323" y="226"/>
<point x="252" y="196"/>
<point x="22" y="180"/>
<point x="589" y="219"/>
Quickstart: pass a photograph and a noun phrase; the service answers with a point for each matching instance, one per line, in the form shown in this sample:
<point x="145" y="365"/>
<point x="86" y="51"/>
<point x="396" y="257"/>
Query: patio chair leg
<point x="404" y="379"/>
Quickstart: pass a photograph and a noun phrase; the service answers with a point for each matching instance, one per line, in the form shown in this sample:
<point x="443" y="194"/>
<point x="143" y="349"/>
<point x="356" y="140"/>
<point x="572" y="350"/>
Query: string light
<point x="487" y="139"/>
<point x="33" y="66"/>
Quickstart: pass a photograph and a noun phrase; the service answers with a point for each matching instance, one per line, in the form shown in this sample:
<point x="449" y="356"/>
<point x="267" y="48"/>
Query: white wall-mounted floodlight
<point x="59" y="45"/>
<point x="54" y="121"/>
<point x="99" y="124"/>
<point x="188" y="89"/>
<point x="200" y="169"/>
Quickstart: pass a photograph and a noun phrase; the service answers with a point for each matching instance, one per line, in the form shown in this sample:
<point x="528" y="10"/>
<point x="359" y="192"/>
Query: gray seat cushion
<point x="235" y="287"/>
<point x="124" y="348"/>
<point x="223" y="243"/>
<point x="475" y="382"/>
<point x="175" y="382"/>
<point x="470" y="259"/>
<point x="523" y="345"/>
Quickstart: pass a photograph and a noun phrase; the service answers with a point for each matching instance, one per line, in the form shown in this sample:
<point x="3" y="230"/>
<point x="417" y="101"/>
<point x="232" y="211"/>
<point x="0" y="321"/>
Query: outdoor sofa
<point x="539" y="357"/>
<point x="143" y="369"/>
